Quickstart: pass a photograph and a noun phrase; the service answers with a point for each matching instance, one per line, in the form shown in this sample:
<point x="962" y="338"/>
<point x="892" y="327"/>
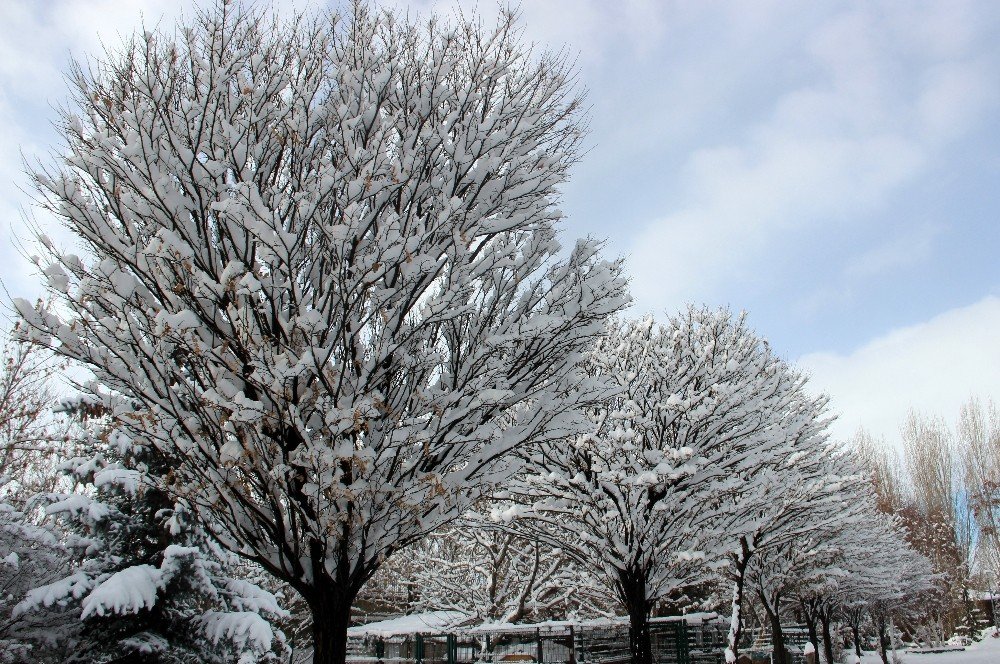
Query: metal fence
<point x="674" y="641"/>
<point x="757" y="644"/>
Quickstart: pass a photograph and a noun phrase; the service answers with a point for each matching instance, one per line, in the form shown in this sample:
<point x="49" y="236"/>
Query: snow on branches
<point x="499" y="576"/>
<point x="802" y="495"/>
<point x="143" y="577"/>
<point x="651" y="492"/>
<point x="321" y="275"/>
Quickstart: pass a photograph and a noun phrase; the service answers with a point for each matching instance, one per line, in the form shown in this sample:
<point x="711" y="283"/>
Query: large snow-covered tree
<point x="320" y="274"/>
<point x="648" y="495"/>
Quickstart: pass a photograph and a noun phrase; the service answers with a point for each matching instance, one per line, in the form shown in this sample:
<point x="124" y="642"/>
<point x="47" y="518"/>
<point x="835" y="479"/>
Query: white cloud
<point x="745" y="196"/>
<point x="934" y="367"/>
<point x="883" y="97"/>
<point x="903" y="250"/>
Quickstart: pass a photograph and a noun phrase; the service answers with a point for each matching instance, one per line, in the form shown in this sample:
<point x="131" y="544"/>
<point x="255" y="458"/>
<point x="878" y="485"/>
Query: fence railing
<point x="674" y="641"/>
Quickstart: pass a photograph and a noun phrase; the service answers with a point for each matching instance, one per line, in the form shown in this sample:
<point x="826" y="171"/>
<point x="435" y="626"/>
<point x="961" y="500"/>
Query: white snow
<point x="244" y="628"/>
<point x="432" y="622"/>
<point x="127" y="591"/>
<point x="986" y="651"/>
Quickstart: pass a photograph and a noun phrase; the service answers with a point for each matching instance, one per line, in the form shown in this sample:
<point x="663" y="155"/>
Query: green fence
<point x="674" y="641"/>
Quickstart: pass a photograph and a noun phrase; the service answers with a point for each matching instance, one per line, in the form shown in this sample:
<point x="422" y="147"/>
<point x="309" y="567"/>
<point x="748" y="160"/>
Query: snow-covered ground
<point x="986" y="651"/>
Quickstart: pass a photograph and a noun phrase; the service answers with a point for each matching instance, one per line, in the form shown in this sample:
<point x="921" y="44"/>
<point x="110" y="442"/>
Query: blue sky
<point x="830" y="167"/>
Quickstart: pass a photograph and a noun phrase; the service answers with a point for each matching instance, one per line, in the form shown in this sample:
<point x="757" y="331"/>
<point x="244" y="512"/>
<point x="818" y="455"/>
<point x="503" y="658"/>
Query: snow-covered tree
<point x="31" y="551"/>
<point x="926" y="494"/>
<point x="862" y="567"/>
<point x="646" y="496"/>
<point x="496" y="575"/>
<point x="148" y="584"/>
<point x="798" y="496"/>
<point x="775" y="573"/>
<point x="321" y="276"/>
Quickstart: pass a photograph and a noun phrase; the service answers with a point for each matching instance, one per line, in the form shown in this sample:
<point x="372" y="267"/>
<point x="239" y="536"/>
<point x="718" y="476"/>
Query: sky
<point x="828" y="167"/>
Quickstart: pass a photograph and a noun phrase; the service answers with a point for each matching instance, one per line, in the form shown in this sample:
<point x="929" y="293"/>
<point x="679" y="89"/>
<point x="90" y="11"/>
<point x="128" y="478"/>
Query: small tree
<point x="649" y="496"/>
<point x="32" y="552"/>
<point x="146" y="582"/>
<point x="321" y="276"/>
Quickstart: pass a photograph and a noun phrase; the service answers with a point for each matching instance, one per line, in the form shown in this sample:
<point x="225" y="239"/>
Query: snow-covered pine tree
<point x="148" y="585"/>
<point x="321" y="275"/>
<point x="30" y="553"/>
<point x="695" y="408"/>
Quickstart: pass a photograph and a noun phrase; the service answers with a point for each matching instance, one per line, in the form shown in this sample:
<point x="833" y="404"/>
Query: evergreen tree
<point x="148" y="584"/>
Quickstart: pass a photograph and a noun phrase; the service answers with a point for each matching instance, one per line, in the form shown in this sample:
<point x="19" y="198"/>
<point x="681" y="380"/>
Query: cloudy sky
<point x="830" y="167"/>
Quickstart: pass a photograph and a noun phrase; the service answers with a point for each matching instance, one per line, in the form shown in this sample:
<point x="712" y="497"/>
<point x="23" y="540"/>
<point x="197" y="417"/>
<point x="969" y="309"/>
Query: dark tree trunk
<point x="809" y="613"/>
<point x="778" y="654"/>
<point x="824" y="618"/>
<point x="856" y="634"/>
<point x="331" y="613"/>
<point x="633" y="590"/>
<point x="883" y="639"/>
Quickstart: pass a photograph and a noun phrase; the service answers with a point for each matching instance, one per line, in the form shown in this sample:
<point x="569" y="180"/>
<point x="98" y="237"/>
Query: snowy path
<point x="986" y="651"/>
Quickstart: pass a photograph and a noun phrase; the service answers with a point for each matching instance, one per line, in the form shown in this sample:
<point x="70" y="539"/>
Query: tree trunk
<point x="633" y="590"/>
<point x="856" y="633"/>
<point x="778" y="653"/>
<point x="883" y="639"/>
<point x="824" y="618"/>
<point x="736" y="614"/>
<point x="735" y="624"/>
<point x="809" y="614"/>
<point x="331" y="615"/>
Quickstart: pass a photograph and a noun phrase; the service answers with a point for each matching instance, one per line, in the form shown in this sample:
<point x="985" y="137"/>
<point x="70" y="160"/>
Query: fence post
<point x="452" y="646"/>
<point x="681" y="638"/>
<point x="419" y="654"/>
<point x="538" y="641"/>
